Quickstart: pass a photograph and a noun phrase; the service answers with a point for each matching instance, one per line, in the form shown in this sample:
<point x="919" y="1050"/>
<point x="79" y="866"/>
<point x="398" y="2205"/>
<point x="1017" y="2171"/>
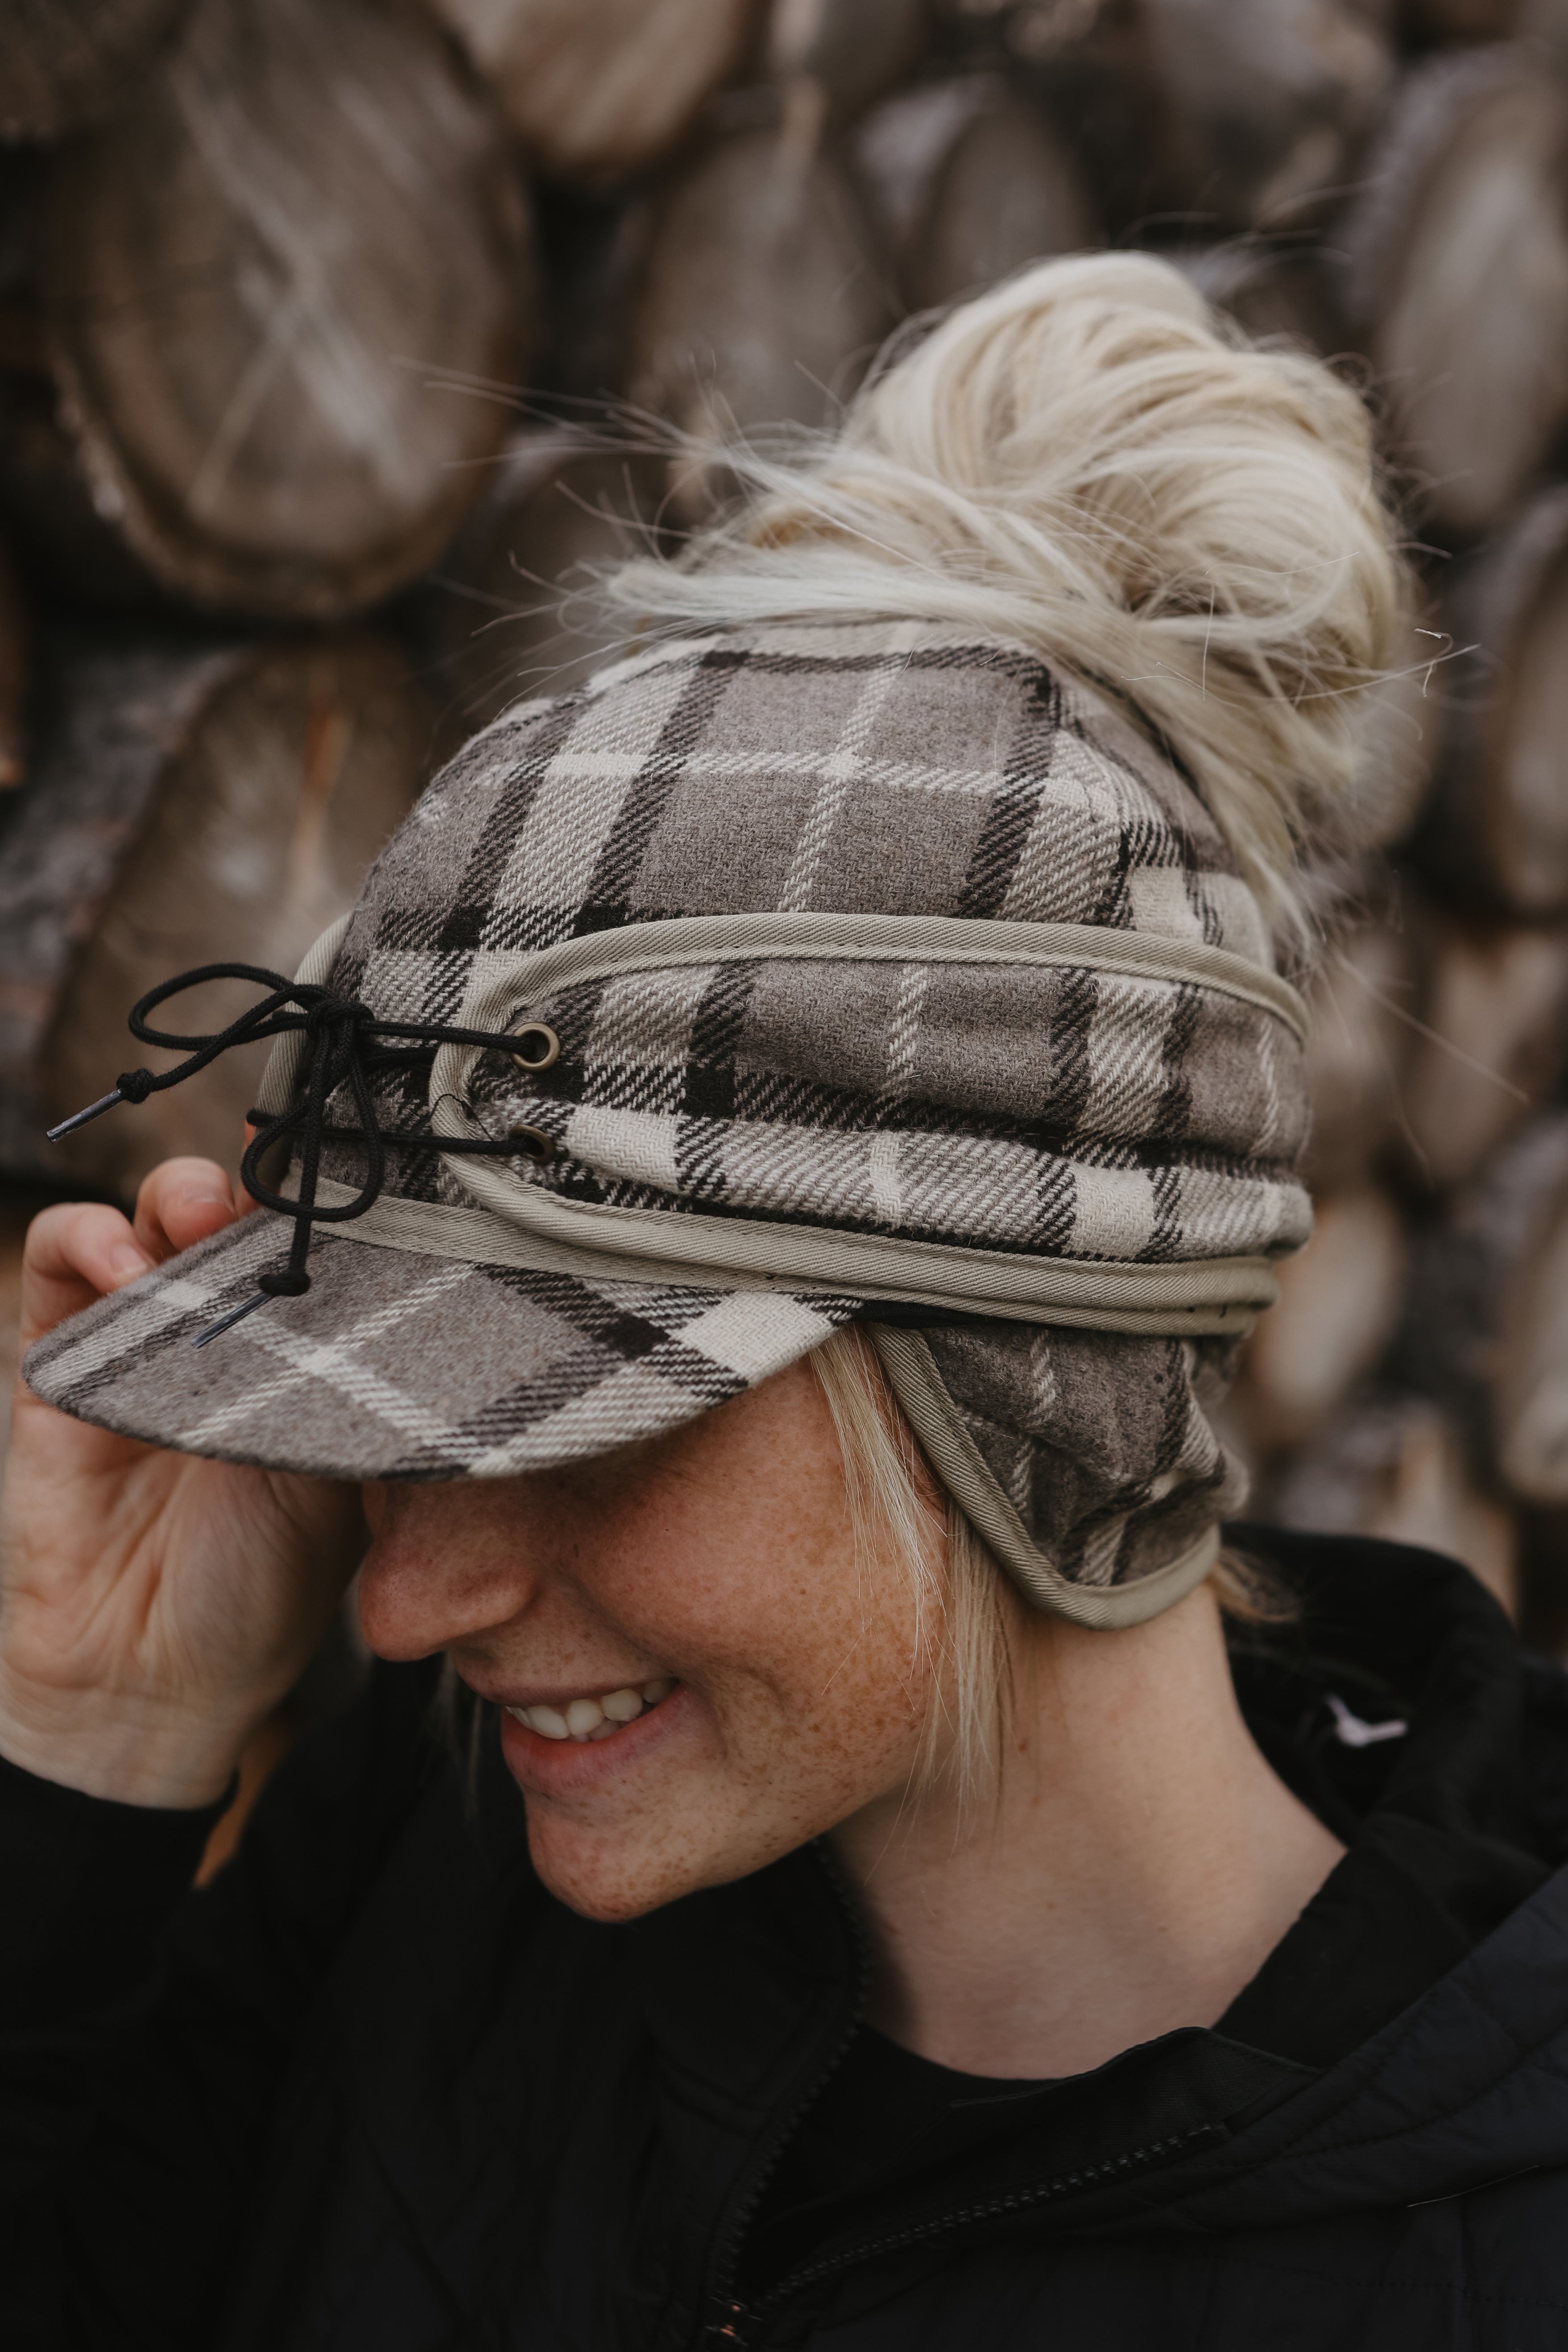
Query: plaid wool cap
<point x="893" y="979"/>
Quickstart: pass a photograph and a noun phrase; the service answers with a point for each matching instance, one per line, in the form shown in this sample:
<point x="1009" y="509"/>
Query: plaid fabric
<point x="1104" y="1445"/>
<point x="871" y="768"/>
<point x="868" y="768"/>
<point x="437" y="1368"/>
<point x="1060" y="1113"/>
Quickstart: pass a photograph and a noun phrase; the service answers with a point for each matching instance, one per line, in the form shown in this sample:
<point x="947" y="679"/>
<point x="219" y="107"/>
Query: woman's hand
<point x="154" y="1607"/>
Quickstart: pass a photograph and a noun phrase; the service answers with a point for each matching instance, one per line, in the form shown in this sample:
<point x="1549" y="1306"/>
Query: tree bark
<point x="69" y="550"/>
<point x="1267" y="105"/>
<point x="1398" y="1467"/>
<point x="1457" y="277"/>
<point x="969" y="182"/>
<point x="1492" y="1047"/>
<point x="1340" y="1302"/>
<point x="600" y="88"/>
<point x="513" y="612"/>
<point x="1463" y="20"/>
<point x="852" y="50"/>
<point x="65" y="62"/>
<point x="1272" y="290"/>
<point x="1532" y="1392"/>
<point x="1496" y="836"/>
<point x="187" y="807"/>
<point x="251" y="283"/>
<point x="14" y="658"/>
<point x="760" y="301"/>
<point x="1363" y="996"/>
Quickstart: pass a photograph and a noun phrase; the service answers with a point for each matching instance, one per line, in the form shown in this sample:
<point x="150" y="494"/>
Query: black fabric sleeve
<point x="146" y="2026"/>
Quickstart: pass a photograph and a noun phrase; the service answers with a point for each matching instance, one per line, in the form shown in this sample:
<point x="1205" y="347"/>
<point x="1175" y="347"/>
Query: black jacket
<point x="375" y="2090"/>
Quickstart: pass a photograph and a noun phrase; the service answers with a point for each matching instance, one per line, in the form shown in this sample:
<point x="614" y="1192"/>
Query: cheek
<point x="817" y="1714"/>
<point x="735" y="1568"/>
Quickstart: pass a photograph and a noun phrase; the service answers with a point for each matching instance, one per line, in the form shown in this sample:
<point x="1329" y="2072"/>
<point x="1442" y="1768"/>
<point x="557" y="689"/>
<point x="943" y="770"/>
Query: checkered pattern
<point x="434" y="1368"/>
<point x="884" y="770"/>
<point x="881" y="768"/>
<point x="1104" y="1445"/>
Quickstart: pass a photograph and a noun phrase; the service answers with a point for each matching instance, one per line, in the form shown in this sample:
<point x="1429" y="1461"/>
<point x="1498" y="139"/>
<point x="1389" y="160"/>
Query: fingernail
<point x="197" y="1196"/>
<point x="127" y="1262"/>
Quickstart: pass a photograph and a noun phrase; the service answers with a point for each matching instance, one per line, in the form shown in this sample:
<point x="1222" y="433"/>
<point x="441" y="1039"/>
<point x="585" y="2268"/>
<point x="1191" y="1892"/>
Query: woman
<point x="786" y="1145"/>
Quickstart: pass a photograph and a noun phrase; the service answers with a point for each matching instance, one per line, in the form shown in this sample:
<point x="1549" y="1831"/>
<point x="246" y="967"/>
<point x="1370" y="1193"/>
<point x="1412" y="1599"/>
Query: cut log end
<point x="968" y="183"/>
<point x="63" y="63"/>
<point x="515" y="613"/>
<point x="599" y="89"/>
<point x="267" y="779"/>
<point x="14" y="658"/>
<point x="1496" y="835"/>
<point x="280" y="323"/>
<point x="1458" y="273"/>
<point x="853" y="50"/>
<point x="1339" y="1301"/>
<point x="761" y="302"/>
<point x="1267" y="106"/>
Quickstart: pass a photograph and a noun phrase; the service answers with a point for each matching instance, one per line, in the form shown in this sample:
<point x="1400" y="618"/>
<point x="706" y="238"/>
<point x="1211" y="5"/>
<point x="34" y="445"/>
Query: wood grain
<point x="255" y="277"/>
<point x="600" y="88"/>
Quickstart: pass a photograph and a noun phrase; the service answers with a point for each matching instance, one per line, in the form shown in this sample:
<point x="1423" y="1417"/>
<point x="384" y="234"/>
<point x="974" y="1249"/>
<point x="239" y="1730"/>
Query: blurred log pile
<point x="279" y="524"/>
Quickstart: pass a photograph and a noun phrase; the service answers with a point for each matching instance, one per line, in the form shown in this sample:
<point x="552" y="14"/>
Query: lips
<point x="590" y="1718"/>
<point x="582" y="1768"/>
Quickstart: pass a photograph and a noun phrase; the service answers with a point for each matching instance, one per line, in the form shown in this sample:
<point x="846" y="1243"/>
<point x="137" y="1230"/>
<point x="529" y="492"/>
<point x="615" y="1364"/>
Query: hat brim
<point x="394" y="1365"/>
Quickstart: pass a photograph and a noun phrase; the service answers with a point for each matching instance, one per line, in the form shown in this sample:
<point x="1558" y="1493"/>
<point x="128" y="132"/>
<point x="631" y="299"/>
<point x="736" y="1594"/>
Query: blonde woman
<point x="842" y="1847"/>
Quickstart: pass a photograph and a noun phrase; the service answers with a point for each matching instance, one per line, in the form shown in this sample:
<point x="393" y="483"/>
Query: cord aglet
<point x="80" y="1117"/>
<point x="227" y="1322"/>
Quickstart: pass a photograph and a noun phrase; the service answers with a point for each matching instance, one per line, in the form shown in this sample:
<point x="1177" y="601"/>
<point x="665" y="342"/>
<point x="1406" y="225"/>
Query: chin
<point x="614" y="1878"/>
<point x="603" y="1879"/>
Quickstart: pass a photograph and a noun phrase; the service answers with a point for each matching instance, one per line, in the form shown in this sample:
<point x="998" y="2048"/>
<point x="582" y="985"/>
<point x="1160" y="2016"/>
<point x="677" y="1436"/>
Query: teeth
<point x="584" y="1719"/>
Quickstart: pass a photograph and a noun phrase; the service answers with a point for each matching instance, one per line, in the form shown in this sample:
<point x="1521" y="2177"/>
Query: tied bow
<point x="339" y="1031"/>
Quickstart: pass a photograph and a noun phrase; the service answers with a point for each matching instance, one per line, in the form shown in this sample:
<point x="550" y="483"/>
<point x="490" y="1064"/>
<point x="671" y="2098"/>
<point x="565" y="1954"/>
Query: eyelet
<point x="532" y="1143"/>
<point x="551" y="1044"/>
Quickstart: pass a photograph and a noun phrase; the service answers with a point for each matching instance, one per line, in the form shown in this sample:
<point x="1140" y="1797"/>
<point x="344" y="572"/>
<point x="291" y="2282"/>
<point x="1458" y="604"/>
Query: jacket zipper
<point x="730" y="2323"/>
<point x="727" y="2321"/>
<point x="1090" y="2175"/>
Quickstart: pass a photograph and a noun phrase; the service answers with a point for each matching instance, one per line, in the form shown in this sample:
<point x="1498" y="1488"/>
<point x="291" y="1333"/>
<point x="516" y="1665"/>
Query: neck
<point x="1140" y="1863"/>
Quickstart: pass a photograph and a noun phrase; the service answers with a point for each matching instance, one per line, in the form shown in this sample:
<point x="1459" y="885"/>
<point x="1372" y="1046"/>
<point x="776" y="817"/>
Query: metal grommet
<point x="532" y="1143"/>
<point x="550" y="1044"/>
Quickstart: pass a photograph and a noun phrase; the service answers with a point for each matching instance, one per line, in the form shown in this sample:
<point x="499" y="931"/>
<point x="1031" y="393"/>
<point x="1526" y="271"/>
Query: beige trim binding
<point x="531" y="1229"/>
<point x="516" y="1222"/>
<point x="501" y="989"/>
<point x="968" y="1478"/>
<point x="1188" y="1300"/>
<point x="1194" y="1297"/>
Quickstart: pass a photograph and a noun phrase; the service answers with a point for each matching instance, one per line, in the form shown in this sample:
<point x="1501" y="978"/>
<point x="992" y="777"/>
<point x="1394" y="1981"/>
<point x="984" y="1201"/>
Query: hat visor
<point x="397" y="1365"/>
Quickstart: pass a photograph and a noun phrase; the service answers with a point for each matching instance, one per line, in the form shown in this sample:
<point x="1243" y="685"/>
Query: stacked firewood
<point x="336" y="344"/>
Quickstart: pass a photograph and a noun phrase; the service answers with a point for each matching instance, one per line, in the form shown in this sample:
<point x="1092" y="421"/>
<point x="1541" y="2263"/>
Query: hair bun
<point x="1089" y="461"/>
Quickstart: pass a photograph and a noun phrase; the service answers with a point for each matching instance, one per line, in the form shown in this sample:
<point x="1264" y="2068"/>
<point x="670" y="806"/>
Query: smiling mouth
<point x="583" y="1719"/>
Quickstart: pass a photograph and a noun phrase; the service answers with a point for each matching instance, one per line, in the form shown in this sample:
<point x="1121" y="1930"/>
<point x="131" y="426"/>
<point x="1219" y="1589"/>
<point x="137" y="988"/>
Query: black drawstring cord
<point x="334" y="1027"/>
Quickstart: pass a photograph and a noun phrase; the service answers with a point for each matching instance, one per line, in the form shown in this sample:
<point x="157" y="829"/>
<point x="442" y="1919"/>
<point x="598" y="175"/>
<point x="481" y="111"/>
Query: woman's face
<point x="718" y="1561"/>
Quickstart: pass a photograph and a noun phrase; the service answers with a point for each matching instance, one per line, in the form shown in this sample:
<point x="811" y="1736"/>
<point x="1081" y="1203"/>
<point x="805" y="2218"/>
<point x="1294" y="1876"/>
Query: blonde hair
<point x="961" y="1665"/>
<point x="965" y="1653"/>
<point x="1089" y="461"/>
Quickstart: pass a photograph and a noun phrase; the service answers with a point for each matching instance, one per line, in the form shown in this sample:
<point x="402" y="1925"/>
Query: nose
<point x="447" y="1564"/>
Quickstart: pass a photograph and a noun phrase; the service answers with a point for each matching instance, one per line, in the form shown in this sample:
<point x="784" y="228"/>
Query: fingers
<point x="74" y="1255"/>
<point x="84" y="1249"/>
<point x="249" y="1203"/>
<point x="182" y="1202"/>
